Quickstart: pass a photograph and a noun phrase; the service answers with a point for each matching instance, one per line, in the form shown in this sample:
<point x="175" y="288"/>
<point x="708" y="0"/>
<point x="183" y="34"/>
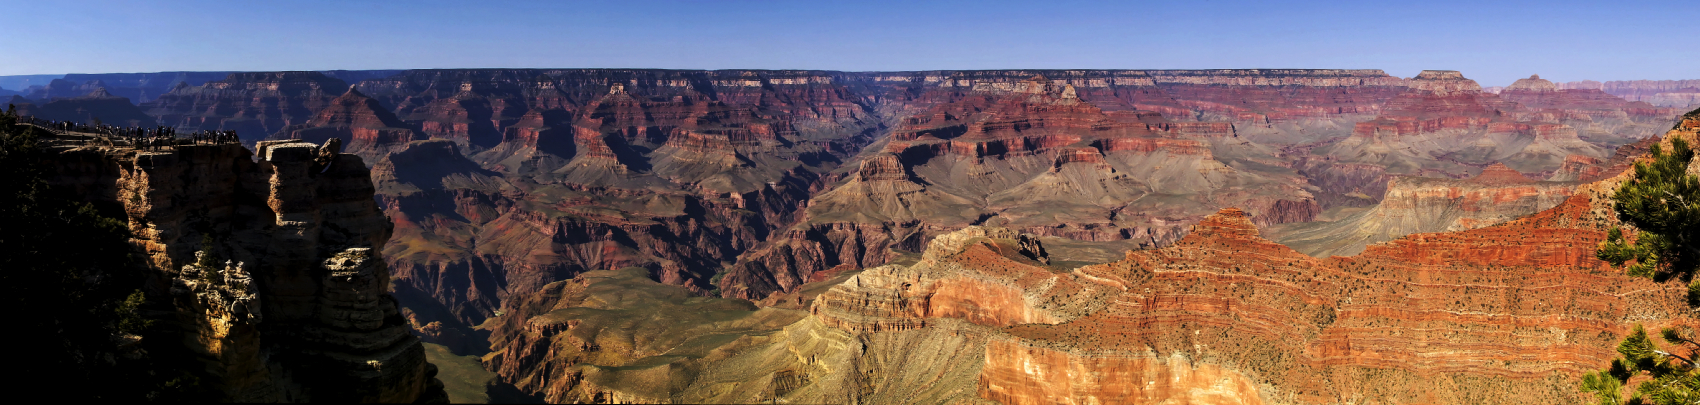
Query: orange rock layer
<point x="1482" y="316"/>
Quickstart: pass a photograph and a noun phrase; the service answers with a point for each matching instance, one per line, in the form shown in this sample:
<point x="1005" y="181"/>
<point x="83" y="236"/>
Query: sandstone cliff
<point x="294" y="307"/>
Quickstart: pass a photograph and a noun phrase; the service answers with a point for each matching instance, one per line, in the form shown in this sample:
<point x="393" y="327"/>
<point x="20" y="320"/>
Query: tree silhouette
<point x="68" y="271"/>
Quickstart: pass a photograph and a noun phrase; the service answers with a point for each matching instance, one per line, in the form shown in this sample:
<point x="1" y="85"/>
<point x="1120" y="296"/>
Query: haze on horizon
<point x="1494" y="43"/>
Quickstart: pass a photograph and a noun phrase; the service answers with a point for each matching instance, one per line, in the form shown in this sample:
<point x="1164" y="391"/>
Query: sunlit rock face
<point x="299" y="309"/>
<point x="1502" y="314"/>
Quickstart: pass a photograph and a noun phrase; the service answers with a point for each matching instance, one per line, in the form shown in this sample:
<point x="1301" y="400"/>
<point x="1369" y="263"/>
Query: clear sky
<point x="1492" y="42"/>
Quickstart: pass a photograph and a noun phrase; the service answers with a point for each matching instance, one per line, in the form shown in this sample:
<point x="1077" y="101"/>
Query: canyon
<point x="1505" y="313"/>
<point x="1013" y="236"/>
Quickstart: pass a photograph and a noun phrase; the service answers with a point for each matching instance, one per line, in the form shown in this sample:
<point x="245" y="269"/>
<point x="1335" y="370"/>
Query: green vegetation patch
<point x="464" y="377"/>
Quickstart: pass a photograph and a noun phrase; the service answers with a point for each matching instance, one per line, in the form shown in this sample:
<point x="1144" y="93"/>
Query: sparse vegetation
<point x="1673" y="379"/>
<point x="1663" y="203"/>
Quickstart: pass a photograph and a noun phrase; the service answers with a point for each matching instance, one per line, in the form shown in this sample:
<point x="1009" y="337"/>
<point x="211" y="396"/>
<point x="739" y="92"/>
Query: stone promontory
<point x="295" y="306"/>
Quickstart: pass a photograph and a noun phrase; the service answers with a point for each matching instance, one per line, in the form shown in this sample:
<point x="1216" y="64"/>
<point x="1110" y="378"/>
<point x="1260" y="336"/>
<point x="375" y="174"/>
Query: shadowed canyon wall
<point x="292" y="304"/>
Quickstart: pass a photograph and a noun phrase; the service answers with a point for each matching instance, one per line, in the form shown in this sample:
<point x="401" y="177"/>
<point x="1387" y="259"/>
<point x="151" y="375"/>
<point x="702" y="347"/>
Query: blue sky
<point x="1492" y="42"/>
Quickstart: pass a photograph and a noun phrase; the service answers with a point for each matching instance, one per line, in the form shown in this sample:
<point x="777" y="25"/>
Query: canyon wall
<point x="1505" y="313"/>
<point x="754" y="183"/>
<point x="1664" y="93"/>
<point x="1420" y="205"/>
<point x="291" y="305"/>
<point x="252" y="104"/>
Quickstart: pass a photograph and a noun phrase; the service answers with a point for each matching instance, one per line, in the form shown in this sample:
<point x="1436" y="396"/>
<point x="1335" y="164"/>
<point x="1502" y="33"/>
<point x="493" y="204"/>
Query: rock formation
<point x="292" y="304"/>
<point x="1450" y="129"/>
<point x="370" y="130"/>
<point x="142" y="87"/>
<point x="1420" y="205"/>
<point x="1222" y="316"/>
<point x="1663" y="93"/>
<point x="1507" y="313"/>
<point x="252" y="104"/>
<point x="1031" y="154"/>
<point x="97" y="105"/>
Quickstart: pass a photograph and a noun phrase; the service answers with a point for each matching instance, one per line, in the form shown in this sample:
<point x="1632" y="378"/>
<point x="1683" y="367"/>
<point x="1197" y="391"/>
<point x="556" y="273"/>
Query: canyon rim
<point x="270" y="214"/>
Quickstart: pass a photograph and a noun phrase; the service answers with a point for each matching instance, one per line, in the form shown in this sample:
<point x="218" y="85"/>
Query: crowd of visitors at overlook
<point x="141" y="138"/>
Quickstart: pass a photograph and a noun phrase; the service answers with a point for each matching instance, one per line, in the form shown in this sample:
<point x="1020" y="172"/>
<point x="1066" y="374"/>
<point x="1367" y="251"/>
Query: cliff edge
<point x="267" y="270"/>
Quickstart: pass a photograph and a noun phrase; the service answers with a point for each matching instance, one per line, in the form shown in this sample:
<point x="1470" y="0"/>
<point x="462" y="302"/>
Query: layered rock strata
<point x="1420" y="205"/>
<point x="771" y="179"/>
<point x="252" y="104"/>
<point x="1508" y="313"/>
<point x="1664" y="93"/>
<point x="369" y="130"/>
<point x="96" y="106"/>
<point x="1450" y="128"/>
<point x="292" y="305"/>
<point x="1033" y="155"/>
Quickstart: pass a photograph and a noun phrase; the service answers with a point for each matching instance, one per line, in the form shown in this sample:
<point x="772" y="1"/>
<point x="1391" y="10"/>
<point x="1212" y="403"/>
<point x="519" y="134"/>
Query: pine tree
<point x="1663" y="202"/>
<point x="1674" y="379"/>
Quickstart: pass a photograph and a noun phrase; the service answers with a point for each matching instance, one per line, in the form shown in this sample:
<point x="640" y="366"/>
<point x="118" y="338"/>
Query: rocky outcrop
<point x="1444" y="82"/>
<point x="1019" y="372"/>
<point x="1532" y="84"/>
<point x="292" y="304"/>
